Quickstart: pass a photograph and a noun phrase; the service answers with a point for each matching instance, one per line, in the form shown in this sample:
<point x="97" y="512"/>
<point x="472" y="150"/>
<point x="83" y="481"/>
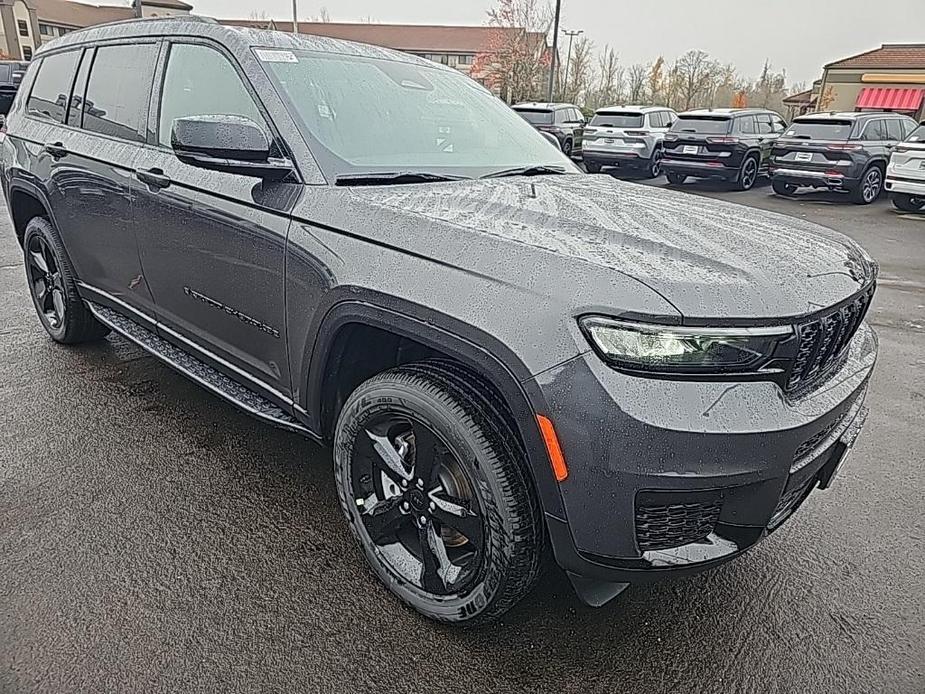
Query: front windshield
<point x="369" y="115"/>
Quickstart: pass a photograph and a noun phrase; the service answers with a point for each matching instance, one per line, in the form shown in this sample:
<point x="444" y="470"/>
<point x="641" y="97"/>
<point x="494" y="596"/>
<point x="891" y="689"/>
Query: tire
<point x="567" y="148"/>
<point x="748" y="174"/>
<point x="592" y="168"/>
<point x="676" y="179"/>
<point x="785" y="189"/>
<point x="440" y="403"/>
<point x="52" y="285"/>
<point x="654" y="169"/>
<point x="908" y="203"/>
<point x="869" y="188"/>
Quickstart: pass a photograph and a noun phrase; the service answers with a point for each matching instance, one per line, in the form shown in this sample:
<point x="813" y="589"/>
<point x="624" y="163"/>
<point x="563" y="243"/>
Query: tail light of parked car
<point x="635" y="133"/>
<point x="844" y="147"/>
<point x="723" y="140"/>
<point x="671" y="137"/>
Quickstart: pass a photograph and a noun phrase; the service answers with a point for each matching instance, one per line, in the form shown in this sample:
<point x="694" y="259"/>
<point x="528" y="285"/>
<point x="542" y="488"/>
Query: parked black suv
<point x="563" y="121"/>
<point x="733" y="144"/>
<point x="11" y="72"/>
<point x="846" y="152"/>
<point x="505" y="353"/>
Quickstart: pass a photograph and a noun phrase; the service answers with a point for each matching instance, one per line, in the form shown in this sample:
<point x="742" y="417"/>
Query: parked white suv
<point x="627" y="137"/>
<point x="905" y="176"/>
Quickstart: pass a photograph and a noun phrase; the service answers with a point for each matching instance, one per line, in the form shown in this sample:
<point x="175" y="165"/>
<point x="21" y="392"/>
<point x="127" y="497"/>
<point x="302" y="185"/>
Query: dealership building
<point x="889" y="78"/>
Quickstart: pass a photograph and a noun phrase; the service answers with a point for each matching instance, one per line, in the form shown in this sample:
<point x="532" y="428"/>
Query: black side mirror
<point x="232" y="144"/>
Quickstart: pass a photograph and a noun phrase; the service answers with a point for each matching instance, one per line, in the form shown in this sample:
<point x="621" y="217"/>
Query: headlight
<point x="646" y="346"/>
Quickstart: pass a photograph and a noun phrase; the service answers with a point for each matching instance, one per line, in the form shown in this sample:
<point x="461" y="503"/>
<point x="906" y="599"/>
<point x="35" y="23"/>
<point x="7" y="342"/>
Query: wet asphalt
<point x="152" y="538"/>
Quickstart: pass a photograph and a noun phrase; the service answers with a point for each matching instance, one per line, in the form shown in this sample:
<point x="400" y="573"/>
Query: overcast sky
<point x="799" y="35"/>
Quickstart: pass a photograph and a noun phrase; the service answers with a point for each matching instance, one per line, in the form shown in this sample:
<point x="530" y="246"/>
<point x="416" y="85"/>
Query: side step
<point x="198" y="371"/>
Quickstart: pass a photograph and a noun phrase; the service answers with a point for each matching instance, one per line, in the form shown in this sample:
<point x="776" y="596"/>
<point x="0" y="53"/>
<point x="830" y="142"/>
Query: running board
<point x="198" y="371"/>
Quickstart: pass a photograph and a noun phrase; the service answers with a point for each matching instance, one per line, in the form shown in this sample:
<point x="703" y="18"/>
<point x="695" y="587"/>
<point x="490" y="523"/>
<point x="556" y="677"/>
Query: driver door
<point x="213" y="244"/>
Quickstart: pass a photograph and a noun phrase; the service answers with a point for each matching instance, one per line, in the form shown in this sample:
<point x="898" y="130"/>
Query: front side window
<point x="764" y="124"/>
<point x="370" y="115"/>
<point x="116" y="102"/>
<point x="894" y="130"/>
<point x="200" y="81"/>
<point x="874" y="131"/>
<point x="52" y="86"/>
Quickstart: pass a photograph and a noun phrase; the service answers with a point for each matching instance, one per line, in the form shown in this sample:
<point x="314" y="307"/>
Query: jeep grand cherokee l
<point x="845" y="152"/>
<point x="505" y="353"/>
<point x="732" y="144"/>
<point x="627" y="137"/>
<point x="565" y="122"/>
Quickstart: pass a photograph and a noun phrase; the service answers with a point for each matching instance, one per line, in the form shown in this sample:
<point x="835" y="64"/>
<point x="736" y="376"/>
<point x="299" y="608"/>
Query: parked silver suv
<point x="627" y="137"/>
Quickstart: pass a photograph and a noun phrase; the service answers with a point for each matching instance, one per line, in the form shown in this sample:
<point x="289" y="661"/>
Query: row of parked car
<point x="858" y="153"/>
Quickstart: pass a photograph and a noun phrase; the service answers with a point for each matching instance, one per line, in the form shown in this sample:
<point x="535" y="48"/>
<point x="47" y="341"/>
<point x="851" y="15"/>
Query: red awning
<point x="892" y="98"/>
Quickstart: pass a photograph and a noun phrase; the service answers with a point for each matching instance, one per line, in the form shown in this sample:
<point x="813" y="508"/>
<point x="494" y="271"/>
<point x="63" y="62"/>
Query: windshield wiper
<point x="527" y="171"/>
<point x="378" y="178"/>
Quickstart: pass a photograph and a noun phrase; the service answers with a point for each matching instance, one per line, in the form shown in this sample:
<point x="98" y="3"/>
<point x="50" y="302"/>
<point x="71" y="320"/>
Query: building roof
<point x="419" y="38"/>
<point x="78" y="14"/>
<point x="893" y="56"/>
<point x="800" y="98"/>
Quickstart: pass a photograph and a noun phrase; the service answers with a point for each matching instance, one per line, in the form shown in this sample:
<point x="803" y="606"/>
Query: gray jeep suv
<point x="504" y="353"/>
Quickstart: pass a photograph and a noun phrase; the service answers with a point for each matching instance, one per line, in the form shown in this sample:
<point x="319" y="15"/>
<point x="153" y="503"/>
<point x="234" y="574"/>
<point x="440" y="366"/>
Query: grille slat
<point x="662" y="526"/>
<point x="823" y="342"/>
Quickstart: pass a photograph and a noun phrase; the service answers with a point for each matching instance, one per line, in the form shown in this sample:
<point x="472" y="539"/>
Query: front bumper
<point x="670" y="476"/>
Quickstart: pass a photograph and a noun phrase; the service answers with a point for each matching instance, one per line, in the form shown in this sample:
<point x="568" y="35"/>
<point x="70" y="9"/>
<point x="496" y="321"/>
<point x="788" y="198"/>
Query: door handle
<point x="56" y="150"/>
<point x="153" y="177"/>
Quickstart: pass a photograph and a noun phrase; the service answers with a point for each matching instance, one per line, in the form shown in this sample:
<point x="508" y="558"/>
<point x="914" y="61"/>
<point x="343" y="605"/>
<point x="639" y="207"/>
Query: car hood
<point x="708" y="258"/>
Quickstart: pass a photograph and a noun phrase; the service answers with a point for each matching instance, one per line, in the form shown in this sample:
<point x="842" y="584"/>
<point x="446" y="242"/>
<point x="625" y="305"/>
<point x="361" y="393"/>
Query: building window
<point x="23" y="27"/>
<point x="466" y="59"/>
<point x="27" y="52"/>
<point x="45" y="30"/>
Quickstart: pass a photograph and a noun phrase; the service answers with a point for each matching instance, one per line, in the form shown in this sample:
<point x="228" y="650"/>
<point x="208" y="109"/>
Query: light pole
<point x="555" y="52"/>
<point x="571" y="35"/>
<point x="295" y="17"/>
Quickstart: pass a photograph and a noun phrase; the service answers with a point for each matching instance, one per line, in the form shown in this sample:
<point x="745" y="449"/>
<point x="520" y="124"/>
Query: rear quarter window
<point x="49" y="95"/>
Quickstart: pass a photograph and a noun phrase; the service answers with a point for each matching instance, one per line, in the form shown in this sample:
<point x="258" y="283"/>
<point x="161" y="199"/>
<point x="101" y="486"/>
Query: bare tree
<point x="697" y="76"/>
<point x="609" y="80"/>
<point x="636" y="77"/>
<point x="655" y="79"/>
<point x="580" y="71"/>
<point x="515" y="61"/>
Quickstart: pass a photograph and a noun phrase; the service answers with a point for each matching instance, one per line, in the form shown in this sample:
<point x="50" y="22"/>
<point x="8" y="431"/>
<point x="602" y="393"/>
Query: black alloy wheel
<point x="654" y="169"/>
<point x="908" y="203"/>
<point x="46" y="282"/>
<point x="748" y="174"/>
<point x="869" y="188"/>
<point x="53" y="287"/>
<point x="434" y="487"/>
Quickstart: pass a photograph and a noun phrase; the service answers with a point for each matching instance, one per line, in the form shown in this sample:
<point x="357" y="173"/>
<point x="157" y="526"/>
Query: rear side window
<point x="200" y="81"/>
<point x="6" y="73"/>
<point x="764" y="124"/>
<point x="702" y="125"/>
<point x="48" y="98"/>
<point x="116" y="103"/>
<point x="617" y="119"/>
<point x="820" y="129"/>
<point x="874" y="131"/>
<point x="746" y="125"/>
<point x="894" y="130"/>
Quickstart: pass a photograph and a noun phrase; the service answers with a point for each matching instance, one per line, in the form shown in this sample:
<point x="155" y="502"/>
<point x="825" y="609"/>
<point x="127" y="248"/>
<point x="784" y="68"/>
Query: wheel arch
<point x="344" y="334"/>
<point x="27" y="201"/>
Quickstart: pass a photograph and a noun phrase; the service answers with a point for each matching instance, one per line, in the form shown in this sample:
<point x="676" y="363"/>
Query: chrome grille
<point x="823" y="342"/>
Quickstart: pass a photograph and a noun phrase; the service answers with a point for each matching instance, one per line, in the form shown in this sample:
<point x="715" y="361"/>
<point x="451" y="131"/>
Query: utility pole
<point x="555" y="52"/>
<point x="571" y="35"/>
<point x="136" y="5"/>
<point x="295" y="17"/>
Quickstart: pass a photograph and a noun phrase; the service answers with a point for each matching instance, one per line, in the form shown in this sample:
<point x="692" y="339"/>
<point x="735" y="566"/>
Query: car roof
<point x="544" y="105"/>
<point x="632" y="107"/>
<point x="728" y="112"/>
<point x="846" y="115"/>
<point x="236" y="39"/>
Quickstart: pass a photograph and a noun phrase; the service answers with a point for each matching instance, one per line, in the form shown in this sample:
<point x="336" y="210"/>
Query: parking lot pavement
<point x="152" y="538"/>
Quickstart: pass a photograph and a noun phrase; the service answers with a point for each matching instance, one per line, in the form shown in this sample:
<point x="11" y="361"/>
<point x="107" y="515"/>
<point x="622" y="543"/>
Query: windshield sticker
<point x="269" y="56"/>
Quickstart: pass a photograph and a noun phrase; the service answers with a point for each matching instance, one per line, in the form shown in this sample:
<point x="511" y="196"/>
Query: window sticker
<point x="270" y="56"/>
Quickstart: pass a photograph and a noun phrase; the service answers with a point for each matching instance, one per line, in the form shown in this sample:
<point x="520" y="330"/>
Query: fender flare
<point x="472" y="347"/>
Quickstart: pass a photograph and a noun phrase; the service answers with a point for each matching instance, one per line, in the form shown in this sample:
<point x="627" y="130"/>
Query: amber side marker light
<point x="559" y="468"/>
